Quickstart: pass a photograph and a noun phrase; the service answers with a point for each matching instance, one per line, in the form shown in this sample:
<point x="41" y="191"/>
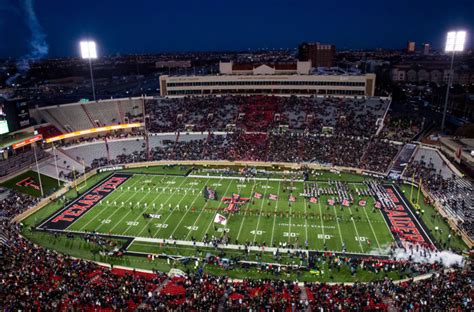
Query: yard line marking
<point x="103" y="208"/>
<point x="370" y="223"/>
<point x="129" y="211"/>
<point x="305" y="219"/>
<point x="247" y="208"/>
<point x="260" y="214"/>
<point x="172" y="212"/>
<point x="338" y="226"/>
<point x="148" y="207"/>
<point x="274" y="214"/>
<point x="357" y="232"/>
<point x="187" y="210"/>
<point x="322" y="224"/>
<point x="194" y="224"/>
<point x="220" y="202"/>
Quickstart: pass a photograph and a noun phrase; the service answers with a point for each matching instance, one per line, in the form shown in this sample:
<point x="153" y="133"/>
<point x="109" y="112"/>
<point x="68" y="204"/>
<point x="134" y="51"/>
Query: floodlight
<point x="88" y="50"/>
<point x="455" y="41"/>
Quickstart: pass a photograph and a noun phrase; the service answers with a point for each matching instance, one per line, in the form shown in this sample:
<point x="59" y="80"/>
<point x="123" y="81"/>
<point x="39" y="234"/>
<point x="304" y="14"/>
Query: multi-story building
<point x="277" y="79"/>
<point x="320" y="55"/>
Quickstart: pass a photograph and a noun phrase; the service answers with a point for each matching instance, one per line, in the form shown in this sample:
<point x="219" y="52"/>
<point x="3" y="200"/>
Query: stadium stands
<point x="456" y="194"/>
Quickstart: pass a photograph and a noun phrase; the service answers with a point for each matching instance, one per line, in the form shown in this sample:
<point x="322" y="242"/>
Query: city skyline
<point x="155" y="26"/>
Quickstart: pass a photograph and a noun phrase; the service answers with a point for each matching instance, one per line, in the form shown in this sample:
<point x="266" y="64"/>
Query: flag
<point x="313" y="200"/>
<point x="331" y="202"/>
<point x="362" y="203"/>
<point x="272" y="197"/>
<point x="378" y="205"/>
<point x="220" y="219"/>
<point x="292" y="198"/>
<point x="257" y="195"/>
<point x="345" y="202"/>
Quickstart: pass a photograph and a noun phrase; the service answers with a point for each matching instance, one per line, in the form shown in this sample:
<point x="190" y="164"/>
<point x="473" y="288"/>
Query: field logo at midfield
<point x="234" y="202"/>
<point x="65" y="217"/>
<point x="28" y="182"/>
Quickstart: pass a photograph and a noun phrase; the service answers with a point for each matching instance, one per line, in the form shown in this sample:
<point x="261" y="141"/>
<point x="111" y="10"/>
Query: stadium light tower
<point x="454" y="43"/>
<point x="89" y="52"/>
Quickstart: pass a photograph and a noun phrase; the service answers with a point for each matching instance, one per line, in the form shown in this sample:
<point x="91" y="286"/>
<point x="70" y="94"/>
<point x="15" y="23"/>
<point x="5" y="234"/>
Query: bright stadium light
<point x="455" y="41"/>
<point x="89" y="52"/>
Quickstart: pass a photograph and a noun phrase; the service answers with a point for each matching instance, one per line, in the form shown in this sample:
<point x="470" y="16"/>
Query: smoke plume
<point x="38" y="45"/>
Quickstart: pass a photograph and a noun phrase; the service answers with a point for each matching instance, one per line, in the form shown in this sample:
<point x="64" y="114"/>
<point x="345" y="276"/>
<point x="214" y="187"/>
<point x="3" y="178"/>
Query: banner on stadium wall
<point x="111" y="168"/>
<point x="93" y="130"/>
<point x="26" y="142"/>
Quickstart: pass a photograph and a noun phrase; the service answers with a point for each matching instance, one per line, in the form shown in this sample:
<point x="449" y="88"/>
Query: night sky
<point x="143" y="26"/>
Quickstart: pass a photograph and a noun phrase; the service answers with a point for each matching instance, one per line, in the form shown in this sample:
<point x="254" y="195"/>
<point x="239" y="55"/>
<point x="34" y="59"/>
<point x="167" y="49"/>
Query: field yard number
<point x="216" y="184"/>
<point x="170" y="182"/>
<point x="220" y="230"/>
<point x="254" y="232"/>
<point x="266" y="186"/>
<point x="193" y="183"/>
<point x="192" y="228"/>
<point x="360" y="238"/>
<point x="132" y="223"/>
<point x="106" y="221"/>
<point x="241" y="185"/>
<point x="161" y="225"/>
<point x="324" y="236"/>
<point x="290" y="234"/>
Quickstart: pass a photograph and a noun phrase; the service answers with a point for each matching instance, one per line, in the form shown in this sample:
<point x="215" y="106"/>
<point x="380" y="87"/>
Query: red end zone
<point x="406" y="228"/>
<point x="69" y="214"/>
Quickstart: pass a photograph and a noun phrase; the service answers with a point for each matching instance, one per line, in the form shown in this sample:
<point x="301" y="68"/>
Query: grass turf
<point x="49" y="184"/>
<point x="252" y="223"/>
<point x="186" y="215"/>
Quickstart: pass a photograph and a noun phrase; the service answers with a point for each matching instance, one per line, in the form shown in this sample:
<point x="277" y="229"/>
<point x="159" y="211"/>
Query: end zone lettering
<point x="401" y="222"/>
<point x="78" y="207"/>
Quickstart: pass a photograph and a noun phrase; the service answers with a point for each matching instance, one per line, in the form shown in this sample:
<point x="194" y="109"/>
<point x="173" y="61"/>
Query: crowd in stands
<point x="34" y="278"/>
<point x="371" y="154"/>
<point x="344" y="116"/>
<point x="455" y="194"/>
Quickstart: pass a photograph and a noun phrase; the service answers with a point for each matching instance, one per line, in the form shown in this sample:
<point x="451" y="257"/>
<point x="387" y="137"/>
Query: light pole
<point x="89" y="52"/>
<point x="454" y="43"/>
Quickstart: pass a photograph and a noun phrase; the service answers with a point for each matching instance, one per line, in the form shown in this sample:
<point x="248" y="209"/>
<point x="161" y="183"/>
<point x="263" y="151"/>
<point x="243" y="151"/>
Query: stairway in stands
<point x="89" y="116"/>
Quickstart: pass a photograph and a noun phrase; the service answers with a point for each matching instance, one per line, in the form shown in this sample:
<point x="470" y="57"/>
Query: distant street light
<point x="89" y="52"/>
<point x="454" y="43"/>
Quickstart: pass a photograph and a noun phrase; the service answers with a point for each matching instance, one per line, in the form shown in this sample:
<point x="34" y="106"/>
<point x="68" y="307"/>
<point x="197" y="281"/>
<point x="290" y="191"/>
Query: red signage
<point x="26" y="142"/>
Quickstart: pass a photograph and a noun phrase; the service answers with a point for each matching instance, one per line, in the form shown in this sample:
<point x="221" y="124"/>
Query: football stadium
<point x="251" y="195"/>
<point x="256" y="180"/>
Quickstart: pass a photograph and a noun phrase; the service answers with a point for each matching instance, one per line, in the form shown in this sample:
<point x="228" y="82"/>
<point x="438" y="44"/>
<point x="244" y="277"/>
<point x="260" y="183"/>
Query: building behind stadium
<point x="298" y="78"/>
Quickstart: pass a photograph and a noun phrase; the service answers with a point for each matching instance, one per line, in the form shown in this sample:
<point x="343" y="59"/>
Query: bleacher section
<point x="81" y="116"/>
<point x="65" y="166"/>
<point x="20" y="161"/>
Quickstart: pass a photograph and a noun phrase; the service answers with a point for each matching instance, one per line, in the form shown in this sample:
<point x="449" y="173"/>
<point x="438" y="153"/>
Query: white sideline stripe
<point x="239" y="178"/>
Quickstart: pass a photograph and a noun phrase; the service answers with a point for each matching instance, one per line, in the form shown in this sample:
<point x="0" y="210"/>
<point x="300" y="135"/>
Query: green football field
<point x="184" y="214"/>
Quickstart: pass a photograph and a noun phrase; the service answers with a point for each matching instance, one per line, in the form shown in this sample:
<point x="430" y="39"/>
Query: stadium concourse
<point x="353" y="133"/>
